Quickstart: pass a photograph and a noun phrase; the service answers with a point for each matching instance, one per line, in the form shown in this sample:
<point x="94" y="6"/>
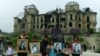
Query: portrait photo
<point x="76" y="48"/>
<point x="22" y="45"/>
<point x="57" y="47"/>
<point x="35" y="48"/>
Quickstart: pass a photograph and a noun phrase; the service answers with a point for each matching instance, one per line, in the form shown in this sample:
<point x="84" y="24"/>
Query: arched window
<point x="71" y="17"/>
<point x="37" y="26"/>
<point x="75" y="17"/>
<point x="62" y="19"/>
<point x="52" y="19"/>
<point x="88" y="26"/>
<point x="41" y="26"/>
<point x="61" y="26"/>
<point x="49" y="26"/>
<point x="41" y="20"/>
<point x="79" y="18"/>
<point x="23" y="25"/>
<point x="88" y="19"/>
<point x="33" y="20"/>
<point x="79" y="25"/>
<point x="70" y="24"/>
<point x="33" y="26"/>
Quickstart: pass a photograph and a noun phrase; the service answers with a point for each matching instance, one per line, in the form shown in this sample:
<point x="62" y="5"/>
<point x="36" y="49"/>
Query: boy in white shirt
<point x="9" y="51"/>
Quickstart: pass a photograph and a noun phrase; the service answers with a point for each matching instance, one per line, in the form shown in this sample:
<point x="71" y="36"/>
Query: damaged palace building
<point x="65" y="19"/>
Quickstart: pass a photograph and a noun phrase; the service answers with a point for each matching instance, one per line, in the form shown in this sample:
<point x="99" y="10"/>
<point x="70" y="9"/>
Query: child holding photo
<point x="50" y="48"/>
<point x="67" y="50"/>
<point x="76" y="46"/>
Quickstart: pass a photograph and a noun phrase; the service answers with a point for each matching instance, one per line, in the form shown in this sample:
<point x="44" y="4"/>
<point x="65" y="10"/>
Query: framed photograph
<point x="35" y="48"/>
<point x="57" y="47"/>
<point x="35" y="54"/>
<point x="76" y="48"/>
<point x="22" y="45"/>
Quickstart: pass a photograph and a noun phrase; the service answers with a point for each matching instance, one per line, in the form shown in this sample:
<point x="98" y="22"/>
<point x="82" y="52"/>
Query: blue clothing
<point x="59" y="54"/>
<point x="63" y="45"/>
<point x="51" y="52"/>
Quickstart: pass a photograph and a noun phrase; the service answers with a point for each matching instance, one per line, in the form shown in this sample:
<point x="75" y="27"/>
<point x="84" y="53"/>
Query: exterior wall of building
<point x="73" y="17"/>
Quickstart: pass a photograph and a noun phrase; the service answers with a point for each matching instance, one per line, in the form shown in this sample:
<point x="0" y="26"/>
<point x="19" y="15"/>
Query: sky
<point x="11" y="8"/>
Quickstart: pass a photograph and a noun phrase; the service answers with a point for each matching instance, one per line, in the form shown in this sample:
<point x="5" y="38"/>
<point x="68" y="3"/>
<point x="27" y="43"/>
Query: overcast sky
<point x="11" y="8"/>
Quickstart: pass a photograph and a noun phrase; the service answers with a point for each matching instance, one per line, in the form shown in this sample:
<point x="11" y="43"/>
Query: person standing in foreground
<point x="76" y="47"/>
<point x="23" y="36"/>
<point x="43" y="45"/>
<point x="50" y="48"/>
<point x="1" y="46"/>
<point x="9" y="51"/>
<point x="35" y="39"/>
<point x="67" y="50"/>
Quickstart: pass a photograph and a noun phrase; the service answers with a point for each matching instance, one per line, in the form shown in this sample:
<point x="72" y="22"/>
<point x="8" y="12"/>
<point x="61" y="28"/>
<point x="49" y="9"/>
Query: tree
<point x="91" y="30"/>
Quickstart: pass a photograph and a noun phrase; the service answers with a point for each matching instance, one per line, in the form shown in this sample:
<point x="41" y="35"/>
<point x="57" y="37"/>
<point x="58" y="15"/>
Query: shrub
<point x="98" y="50"/>
<point x="91" y="30"/>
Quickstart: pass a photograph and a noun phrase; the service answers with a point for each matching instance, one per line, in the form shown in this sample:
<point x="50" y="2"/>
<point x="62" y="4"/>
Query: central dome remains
<point x="72" y="3"/>
<point x="30" y="6"/>
<point x="70" y="6"/>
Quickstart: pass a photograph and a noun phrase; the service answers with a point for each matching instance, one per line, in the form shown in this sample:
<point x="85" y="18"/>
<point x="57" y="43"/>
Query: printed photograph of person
<point x="35" y="49"/>
<point x="22" y="45"/>
<point x="57" y="47"/>
<point x="76" y="48"/>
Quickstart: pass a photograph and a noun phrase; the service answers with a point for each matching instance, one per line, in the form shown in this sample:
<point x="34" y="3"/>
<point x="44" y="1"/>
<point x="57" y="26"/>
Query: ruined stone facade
<point x="70" y="17"/>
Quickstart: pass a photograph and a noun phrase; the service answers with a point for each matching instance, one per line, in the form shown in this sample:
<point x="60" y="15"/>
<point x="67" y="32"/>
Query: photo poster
<point x="76" y="48"/>
<point x="22" y="45"/>
<point x="56" y="36"/>
<point x="35" y="48"/>
<point x="57" y="46"/>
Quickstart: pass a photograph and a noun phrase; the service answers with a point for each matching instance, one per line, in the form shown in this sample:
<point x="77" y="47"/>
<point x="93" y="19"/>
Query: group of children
<point x="52" y="52"/>
<point x="46" y="48"/>
<point x="67" y="50"/>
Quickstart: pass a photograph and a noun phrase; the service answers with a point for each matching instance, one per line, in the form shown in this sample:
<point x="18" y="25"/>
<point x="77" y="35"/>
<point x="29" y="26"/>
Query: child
<point x="67" y="50"/>
<point x="9" y="51"/>
<point x="50" y="48"/>
<point x="76" y="46"/>
<point x="35" y="39"/>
